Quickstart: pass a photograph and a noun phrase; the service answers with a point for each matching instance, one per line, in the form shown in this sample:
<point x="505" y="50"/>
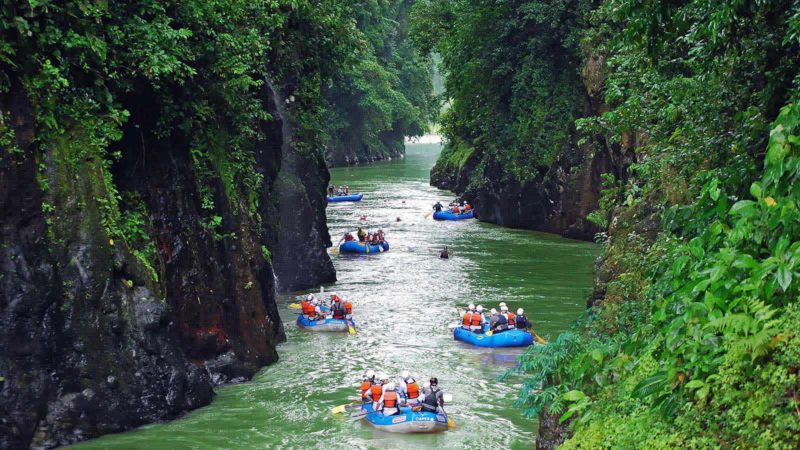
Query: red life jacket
<point x="308" y="308"/>
<point x="390" y="399"/>
<point x="376" y="389"/>
<point x="338" y="310"/>
<point x="476" y="319"/>
<point x="455" y="209"/>
<point x="349" y="307"/>
<point x="467" y="318"/>
<point x="510" y="318"/>
<point x="413" y="390"/>
<point x="365" y="385"/>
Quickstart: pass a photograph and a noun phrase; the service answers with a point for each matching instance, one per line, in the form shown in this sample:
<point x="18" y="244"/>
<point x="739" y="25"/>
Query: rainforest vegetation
<point x="691" y="336"/>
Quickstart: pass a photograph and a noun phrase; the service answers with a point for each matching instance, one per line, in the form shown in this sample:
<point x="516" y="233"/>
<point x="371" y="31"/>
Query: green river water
<point x="403" y="301"/>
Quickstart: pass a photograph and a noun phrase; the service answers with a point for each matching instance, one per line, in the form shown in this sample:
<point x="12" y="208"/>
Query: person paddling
<point x="376" y="391"/>
<point x="389" y="403"/>
<point x="432" y="396"/>
<point x="497" y="322"/>
<point x="438" y="207"/>
<point x="478" y="321"/>
<point x="466" y="317"/>
<point x="307" y="307"/>
<point x="338" y="310"/>
<point x="366" y="384"/>
<point x="509" y="316"/>
<point x="445" y="253"/>
<point x="520" y="321"/>
<point x="409" y="388"/>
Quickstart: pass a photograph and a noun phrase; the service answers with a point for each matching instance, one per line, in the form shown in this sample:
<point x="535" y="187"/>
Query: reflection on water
<point x="403" y="300"/>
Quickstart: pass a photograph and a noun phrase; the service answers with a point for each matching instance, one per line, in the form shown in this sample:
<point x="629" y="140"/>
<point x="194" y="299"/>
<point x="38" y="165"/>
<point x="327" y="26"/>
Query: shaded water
<point x="403" y="301"/>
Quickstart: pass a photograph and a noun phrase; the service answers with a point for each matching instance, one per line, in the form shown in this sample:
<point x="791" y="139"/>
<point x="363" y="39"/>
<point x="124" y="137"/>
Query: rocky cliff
<point x="104" y="332"/>
<point x="558" y="198"/>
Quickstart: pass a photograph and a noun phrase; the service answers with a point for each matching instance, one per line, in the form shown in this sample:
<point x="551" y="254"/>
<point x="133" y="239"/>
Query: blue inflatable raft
<point x="508" y="338"/>
<point x="328" y="324"/>
<point x="345" y="198"/>
<point x="361" y="247"/>
<point x="406" y="421"/>
<point x="447" y="215"/>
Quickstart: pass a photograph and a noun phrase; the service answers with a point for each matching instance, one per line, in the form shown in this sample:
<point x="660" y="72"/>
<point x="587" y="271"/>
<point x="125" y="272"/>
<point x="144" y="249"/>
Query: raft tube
<point x="345" y="198"/>
<point x="328" y="324"/>
<point x="406" y="421"/>
<point x="447" y="215"/>
<point x="361" y="247"/>
<point x="508" y="338"/>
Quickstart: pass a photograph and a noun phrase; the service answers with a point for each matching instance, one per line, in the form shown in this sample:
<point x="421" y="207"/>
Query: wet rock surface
<point x="96" y="342"/>
<point x="558" y="199"/>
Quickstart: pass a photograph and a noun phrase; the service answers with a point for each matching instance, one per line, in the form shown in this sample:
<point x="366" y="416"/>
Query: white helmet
<point x="310" y="297"/>
<point x="314" y="301"/>
<point x="479" y="308"/>
<point x="520" y="311"/>
<point x="370" y="374"/>
<point x="471" y="307"/>
<point x="493" y="311"/>
<point x="502" y="304"/>
<point x="503" y="308"/>
<point x="383" y="376"/>
<point x="389" y="386"/>
<point x="404" y="374"/>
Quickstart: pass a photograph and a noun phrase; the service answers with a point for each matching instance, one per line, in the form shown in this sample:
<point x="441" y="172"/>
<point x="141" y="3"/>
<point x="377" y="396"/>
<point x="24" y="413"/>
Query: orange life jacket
<point x="376" y="389"/>
<point x="349" y="307"/>
<point x="390" y="399"/>
<point x="413" y="390"/>
<point x="467" y="318"/>
<point x="307" y="308"/>
<point x="455" y="209"/>
<point x="510" y="318"/>
<point x="468" y="208"/>
<point x="476" y="319"/>
<point x="365" y="385"/>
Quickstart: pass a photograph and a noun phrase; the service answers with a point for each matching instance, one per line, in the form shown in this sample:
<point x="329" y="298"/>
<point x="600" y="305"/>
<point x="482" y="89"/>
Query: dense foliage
<point x="512" y="78"/>
<point x="695" y="341"/>
<point x="387" y="94"/>
<point x="196" y="72"/>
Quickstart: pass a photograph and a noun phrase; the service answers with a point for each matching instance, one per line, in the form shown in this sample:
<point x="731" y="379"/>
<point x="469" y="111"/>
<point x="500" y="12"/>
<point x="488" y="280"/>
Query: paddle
<point x="453" y="326"/>
<point x="428" y="215"/>
<point x="336" y="248"/>
<point x="294" y="305"/>
<point x="351" y="329"/>
<point x="341" y="408"/>
<point x="490" y="332"/>
<point x="447" y="398"/>
<point x="538" y="338"/>
<point x="358" y="415"/>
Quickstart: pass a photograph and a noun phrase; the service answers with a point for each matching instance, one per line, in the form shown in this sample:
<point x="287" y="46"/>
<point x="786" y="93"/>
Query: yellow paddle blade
<point x="351" y="329"/>
<point x="539" y="338"/>
<point x="450" y="423"/>
<point x="338" y="409"/>
<point x="294" y="305"/>
<point x="489" y="333"/>
<point x="427" y="215"/>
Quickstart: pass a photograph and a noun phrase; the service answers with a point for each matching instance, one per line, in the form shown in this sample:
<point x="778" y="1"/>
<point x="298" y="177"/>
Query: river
<point x="403" y="301"/>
